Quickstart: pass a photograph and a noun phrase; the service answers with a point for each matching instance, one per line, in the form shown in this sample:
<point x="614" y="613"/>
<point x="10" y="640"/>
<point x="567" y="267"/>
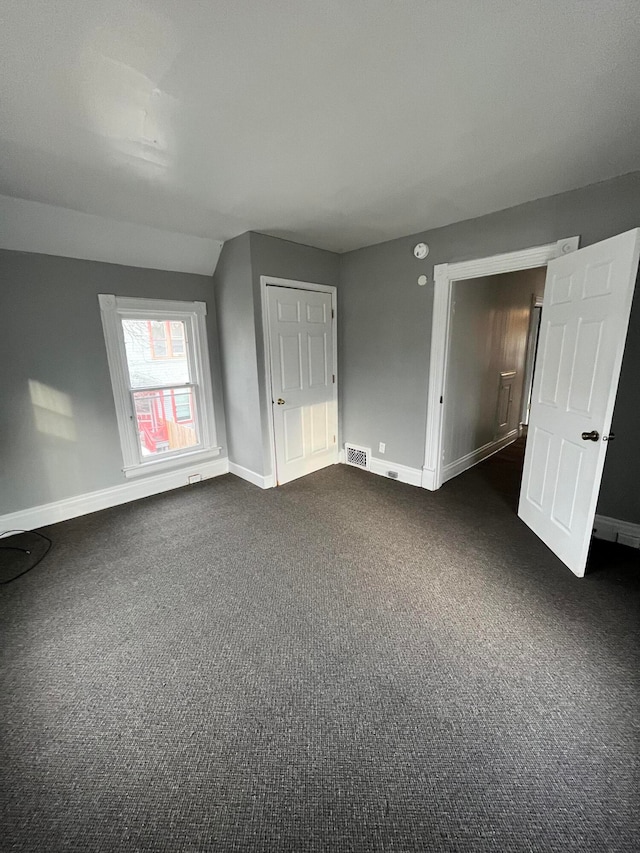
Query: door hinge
<point x="441" y="398"/>
<point x="333" y="313"/>
<point x="333" y="379"/>
<point x="334" y="439"/>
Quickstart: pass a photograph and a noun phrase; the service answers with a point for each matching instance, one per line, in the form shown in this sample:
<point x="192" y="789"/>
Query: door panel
<point x="583" y="369"/>
<point x="290" y="363"/>
<point x="301" y="350"/>
<point x="552" y="352"/>
<point x="534" y="484"/>
<point x="317" y="313"/>
<point x="318" y="360"/>
<point x="318" y="418"/>
<point x="567" y="479"/>
<point x="582" y="334"/>
<point x="293" y="435"/>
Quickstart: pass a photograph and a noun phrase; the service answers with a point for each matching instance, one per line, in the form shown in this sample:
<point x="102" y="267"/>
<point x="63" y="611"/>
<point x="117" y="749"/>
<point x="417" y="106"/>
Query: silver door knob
<point x="280" y="401"/>
<point x="594" y="435"/>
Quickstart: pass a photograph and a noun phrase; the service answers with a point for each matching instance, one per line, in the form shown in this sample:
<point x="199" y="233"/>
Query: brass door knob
<point x="280" y="401"/>
<point x="594" y="435"/>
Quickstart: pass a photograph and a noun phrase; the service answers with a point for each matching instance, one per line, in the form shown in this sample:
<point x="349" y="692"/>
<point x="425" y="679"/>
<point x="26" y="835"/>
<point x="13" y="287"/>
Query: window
<point x="159" y="365"/>
<point x="166" y="338"/>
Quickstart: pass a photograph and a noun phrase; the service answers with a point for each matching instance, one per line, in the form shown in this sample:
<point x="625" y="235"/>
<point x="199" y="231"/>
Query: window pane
<point x="177" y="337"/>
<point x="165" y="420"/>
<point x="158" y="330"/>
<point x="183" y="407"/>
<point x="146" y="343"/>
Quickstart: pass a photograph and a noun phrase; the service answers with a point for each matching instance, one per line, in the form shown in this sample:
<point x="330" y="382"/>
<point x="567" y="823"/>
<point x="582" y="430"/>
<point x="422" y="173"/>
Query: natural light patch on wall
<point x="52" y="411"/>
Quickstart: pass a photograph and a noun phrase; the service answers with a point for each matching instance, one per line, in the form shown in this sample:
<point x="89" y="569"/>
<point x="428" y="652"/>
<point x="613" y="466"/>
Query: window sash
<point x="192" y="314"/>
<point x="194" y="412"/>
<point x="167" y="386"/>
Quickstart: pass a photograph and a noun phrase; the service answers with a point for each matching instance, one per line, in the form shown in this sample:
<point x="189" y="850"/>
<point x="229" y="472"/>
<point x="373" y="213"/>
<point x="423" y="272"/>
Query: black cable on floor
<point x="8" y="533"/>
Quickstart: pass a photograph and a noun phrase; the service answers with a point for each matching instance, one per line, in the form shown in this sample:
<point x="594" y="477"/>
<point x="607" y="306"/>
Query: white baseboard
<point x="259" y="480"/>
<point x="429" y="479"/>
<point x="412" y="476"/>
<point x="616" y="530"/>
<point x="40" y="516"/>
<point x="452" y="469"/>
<point x="341" y="457"/>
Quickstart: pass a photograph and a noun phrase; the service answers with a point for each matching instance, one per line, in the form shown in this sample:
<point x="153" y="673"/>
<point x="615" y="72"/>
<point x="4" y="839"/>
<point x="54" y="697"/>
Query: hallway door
<point x="584" y="324"/>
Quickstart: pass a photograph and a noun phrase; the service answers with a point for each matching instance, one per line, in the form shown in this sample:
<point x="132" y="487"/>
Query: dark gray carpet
<point x="342" y="664"/>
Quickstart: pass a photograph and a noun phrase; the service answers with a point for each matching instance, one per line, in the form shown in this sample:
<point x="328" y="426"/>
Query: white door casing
<point x="301" y="344"/>
<point x="584" y="323"/>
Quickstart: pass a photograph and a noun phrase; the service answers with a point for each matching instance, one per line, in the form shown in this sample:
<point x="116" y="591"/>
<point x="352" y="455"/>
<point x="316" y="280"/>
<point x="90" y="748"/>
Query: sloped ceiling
<point x="337" y="123"/>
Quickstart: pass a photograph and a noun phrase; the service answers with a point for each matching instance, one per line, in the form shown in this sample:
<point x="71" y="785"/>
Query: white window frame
<point x="113" y="310"/>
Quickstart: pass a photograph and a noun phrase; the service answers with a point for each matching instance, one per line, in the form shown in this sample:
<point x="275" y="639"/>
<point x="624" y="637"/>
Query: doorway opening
<point x="588" y="294"/>
<point x="504" y="469"/>
<point x="446" y="455"/>
<point x="489" y="366"/>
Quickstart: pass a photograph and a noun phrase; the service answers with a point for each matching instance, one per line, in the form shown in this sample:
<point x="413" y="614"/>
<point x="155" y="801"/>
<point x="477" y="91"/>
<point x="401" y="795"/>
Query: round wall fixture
<point x="422" y="280"/>
<point x="421" y="250"/>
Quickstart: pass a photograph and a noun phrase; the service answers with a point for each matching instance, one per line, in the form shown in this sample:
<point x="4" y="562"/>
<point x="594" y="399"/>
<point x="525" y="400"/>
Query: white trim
<point x="172" y="463"/>
<point x="137" y="306"/>
<point x="530" y="357"/>
<point x="117" y="359"/>
<point x="40" y="516"/>
<point x="616" y="530"/>
<point x="251" y="476"/>
<point x="31" y="226"/>
<point x="382" y="467"/>
<point x="428" y="480"/>
<point x="444" y="276"/>
<point x="265" y="281"/>
<point x="342" y="459"/>
<point x="452" y="469"/>
<point x="193" y="314"/>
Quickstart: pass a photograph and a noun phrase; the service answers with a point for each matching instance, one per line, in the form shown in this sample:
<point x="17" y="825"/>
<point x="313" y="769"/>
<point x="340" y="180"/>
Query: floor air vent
<point x="358" y="456"/>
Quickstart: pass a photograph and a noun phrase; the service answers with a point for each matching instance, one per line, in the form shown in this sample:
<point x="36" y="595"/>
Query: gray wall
<point x="52" y="335"/>
<point x="235" y="305"/>
<point x="488" y="335"/>
<point x="65" y="442"/>
<point x="237" y="284"/>
<point x="620" y="491"/>
<point x="385" y="324"/>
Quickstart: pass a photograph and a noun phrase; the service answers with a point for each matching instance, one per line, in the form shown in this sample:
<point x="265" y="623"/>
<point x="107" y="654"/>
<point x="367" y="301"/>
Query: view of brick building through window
<point x="160" y="385"/>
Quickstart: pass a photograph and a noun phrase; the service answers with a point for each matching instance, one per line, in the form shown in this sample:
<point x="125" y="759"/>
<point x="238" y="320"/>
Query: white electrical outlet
<point x="382" y="447"/>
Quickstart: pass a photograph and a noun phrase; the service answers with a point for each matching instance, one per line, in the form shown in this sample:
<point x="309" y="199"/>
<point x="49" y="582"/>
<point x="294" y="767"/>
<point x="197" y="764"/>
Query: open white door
<point x="303" y="387"/>
<point x="584" y="321"/>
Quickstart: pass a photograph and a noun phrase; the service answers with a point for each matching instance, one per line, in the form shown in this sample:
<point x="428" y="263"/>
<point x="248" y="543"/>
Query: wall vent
<point x="358" y="456"/>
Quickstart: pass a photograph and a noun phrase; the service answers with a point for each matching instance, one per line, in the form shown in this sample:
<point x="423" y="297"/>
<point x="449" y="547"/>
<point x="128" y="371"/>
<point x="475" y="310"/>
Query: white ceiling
<point x="337" y="123"/>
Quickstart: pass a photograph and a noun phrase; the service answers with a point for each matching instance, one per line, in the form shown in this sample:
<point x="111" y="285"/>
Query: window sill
<point x="158" y="465"/>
